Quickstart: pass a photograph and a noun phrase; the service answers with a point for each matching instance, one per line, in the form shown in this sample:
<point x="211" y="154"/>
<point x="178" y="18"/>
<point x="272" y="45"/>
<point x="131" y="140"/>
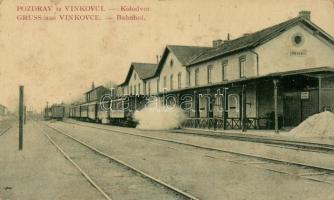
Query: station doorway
<point x="300" y="105"/>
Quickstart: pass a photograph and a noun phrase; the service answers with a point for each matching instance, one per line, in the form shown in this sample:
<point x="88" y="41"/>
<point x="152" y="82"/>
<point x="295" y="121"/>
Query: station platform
<point x="269" y="134"/>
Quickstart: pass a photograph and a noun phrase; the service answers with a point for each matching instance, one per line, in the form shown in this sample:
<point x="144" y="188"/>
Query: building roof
<point x="96" y="88"/>
<point x="315" y="72"/>
<point x="309" y="71"/>
<point x="182" y="53"/>
<point x="144" y="71"/>
<point x="253" y="40"/>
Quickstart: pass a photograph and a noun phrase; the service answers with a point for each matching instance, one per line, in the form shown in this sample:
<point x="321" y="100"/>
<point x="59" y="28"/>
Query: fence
<point x="230" y="123"/>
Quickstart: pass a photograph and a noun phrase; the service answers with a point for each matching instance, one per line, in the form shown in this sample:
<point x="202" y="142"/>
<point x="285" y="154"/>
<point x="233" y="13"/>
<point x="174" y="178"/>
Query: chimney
<point x="217" y="43"/>
<point x="93" y="86"/>
<point x="305" y="14"/>
<point x="228" y="36"/>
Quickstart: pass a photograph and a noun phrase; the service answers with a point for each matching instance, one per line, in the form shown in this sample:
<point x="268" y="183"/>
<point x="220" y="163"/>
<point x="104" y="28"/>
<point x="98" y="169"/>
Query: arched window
<point x="196" y="76"/>
<point x="171" y="62"/>
<point x="179" y="75"/>
<point x="209" y="73"/>
<point x="171" y="81"/>
<point x="138" y="88"/>
<point x="224" y="70"/>
<point x="242" y="66"/>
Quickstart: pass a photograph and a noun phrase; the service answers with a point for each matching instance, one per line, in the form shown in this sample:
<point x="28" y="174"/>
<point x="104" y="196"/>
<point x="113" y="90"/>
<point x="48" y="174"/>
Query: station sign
<point x="305" y="95"/>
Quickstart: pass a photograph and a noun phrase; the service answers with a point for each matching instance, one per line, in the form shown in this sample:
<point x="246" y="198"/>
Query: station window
<point x="297" y="39"/>
<point x="224" y="70"/>
<point x="219" y="101"/>
<point x="171" y="63"/>
<point x="131" y="90"/>
<point x="135" y="76"/>
<point x="179" y="76"/>
<point x="196" y="76"/>
<point x="171" y="81"/>
<point x="242" y="66"/>
<point x="188" y="78"/>
<point x="149" y="88"/>
<point x="209" y="73"/>
<point x="139" y="88"/>
<point x="134" y="90"/>
<point x="165" y="82"/>
<point x="158" y="84"/>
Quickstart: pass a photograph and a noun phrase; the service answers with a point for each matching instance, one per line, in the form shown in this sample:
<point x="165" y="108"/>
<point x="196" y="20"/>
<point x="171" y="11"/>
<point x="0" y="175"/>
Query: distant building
<point x="3" y="110"/>
<point x="96" y="93"/>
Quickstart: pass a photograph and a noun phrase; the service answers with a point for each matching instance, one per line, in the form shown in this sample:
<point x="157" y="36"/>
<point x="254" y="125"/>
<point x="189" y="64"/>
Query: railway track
<point x="291" y="144"/>
<point x="296" y="169"/>
<point x="300" y="145"/>
<point x="5" y="130"/>
<point x="112" y="177"/>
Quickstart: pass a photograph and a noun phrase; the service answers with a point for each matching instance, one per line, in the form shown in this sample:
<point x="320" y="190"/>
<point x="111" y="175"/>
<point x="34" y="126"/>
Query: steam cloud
<point x="158" y="117"/>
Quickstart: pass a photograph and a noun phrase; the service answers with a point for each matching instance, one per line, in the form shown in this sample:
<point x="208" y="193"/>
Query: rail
<point x="149" y="177"/>
<point x="320" y="170"/>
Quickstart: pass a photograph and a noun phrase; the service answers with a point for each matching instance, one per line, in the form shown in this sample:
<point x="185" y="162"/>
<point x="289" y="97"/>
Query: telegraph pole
<point x="21" y="113"/>
<point x="25" y="115"/>
<point x="276" y="105"/>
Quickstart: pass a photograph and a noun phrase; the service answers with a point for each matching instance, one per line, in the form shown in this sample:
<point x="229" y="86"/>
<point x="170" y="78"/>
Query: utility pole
<point x="243" y="109"/>
<point x="276" y="104"/>
<point x="21" y="113"/>
<point x="25" y="115"/>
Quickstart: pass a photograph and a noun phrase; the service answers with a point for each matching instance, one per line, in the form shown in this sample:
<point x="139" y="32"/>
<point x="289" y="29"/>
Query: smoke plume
<point x="154" y="117"/>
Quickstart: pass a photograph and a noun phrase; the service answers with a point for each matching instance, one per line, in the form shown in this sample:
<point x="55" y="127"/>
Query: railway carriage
<point x="123" y="109"/>
<point x="92" y="111"/>
<point x="54" y="112"/>
<point x="103" y="112"/>
<point x="84" y="112"/>
<point x="76" y="112"/>
<point x="58" y="112"/>
<point x="117" y="112"/>
<point x="70" y="112"/>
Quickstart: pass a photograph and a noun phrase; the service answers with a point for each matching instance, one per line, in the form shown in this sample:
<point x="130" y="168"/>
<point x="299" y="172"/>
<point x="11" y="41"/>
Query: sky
<point x="57" y="61"/>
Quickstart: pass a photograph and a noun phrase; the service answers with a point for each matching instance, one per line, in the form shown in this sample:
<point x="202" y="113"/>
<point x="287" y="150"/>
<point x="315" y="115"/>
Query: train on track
<point x="100" y="106"/>
<point x="117" y="111"/>
<point x="57" y="112"/>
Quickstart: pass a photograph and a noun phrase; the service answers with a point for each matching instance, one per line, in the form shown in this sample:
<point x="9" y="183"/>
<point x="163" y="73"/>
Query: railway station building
<point x="270" y="79"/>
<point x="135" y="81"/>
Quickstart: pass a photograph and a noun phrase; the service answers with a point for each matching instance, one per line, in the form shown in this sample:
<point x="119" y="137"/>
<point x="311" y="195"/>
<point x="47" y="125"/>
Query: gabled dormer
<point x="134" y="83"/>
